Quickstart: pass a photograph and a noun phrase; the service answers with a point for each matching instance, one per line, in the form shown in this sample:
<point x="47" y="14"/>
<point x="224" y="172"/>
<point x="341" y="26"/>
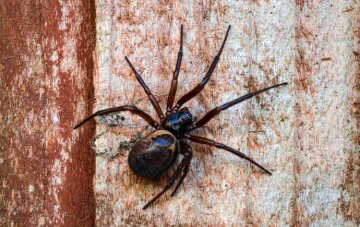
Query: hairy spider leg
<point x="130" y="108"/>
<point x="147" y="91"/>
<point x="212" y="113"/>
<point x="174" y="81"/>
<point x="191" y="94"/>
<point x="183" y="165"/>
<point x="209" y="142"/>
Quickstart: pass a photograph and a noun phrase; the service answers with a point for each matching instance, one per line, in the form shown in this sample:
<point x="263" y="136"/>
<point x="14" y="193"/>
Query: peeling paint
<point x="46" y="170"/>
<point x="307" y="134"/>
<point x="31" y="188"/>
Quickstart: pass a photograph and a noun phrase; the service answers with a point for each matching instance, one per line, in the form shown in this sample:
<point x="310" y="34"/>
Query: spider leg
<point x="187" y="152"/>
<point x="174" y="82"/>
<point x="184" y="164"/>
<point x="147" y="91"/>
<point x="202" y="140"/>
<point x="191" y="94"/>
<point x="130" y="108"/>
<point x="212" y="113"/>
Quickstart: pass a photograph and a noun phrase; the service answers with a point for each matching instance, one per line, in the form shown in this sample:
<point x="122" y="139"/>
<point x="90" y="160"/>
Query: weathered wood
<point x="307" y="134"/>
<point x="46" y="64"/>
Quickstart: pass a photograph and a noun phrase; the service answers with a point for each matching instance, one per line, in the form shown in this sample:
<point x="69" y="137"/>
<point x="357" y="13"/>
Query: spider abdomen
<point x="154" y="154"/>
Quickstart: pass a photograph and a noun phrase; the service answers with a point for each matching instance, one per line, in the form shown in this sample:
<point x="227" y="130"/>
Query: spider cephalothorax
<point x="154" y="154"/>
<point x="179" y="122"/>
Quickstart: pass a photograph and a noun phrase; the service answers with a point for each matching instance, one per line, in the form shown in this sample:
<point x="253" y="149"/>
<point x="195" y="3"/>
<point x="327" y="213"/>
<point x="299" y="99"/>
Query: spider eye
<point x="185" y="116"/>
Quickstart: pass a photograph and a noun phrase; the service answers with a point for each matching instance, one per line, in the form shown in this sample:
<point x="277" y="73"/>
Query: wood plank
<point x="46" y="168"/>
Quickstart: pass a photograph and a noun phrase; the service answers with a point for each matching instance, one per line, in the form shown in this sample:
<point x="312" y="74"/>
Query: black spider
<point x="151" y="156"/>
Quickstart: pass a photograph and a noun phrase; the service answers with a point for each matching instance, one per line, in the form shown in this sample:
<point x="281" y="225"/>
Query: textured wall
<point x="46" y="169"/>
<point x="307" y="133"/>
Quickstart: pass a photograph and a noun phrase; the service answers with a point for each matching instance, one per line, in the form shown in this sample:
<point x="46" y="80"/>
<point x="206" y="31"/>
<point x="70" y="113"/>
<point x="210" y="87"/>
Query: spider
<point x="154" y="154"/>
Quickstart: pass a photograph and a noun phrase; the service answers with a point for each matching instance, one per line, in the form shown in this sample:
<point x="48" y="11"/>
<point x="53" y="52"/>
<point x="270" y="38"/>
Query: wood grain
<point x="46" y="169"/>
<point x="306" y="133"/>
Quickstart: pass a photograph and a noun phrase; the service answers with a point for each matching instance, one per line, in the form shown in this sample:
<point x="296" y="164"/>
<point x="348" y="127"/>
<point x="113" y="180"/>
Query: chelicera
<point x="154" y="154"/>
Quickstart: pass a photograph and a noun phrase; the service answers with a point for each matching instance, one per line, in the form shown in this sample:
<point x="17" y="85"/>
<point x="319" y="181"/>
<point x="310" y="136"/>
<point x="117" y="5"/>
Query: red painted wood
<point x="46" y="168"/>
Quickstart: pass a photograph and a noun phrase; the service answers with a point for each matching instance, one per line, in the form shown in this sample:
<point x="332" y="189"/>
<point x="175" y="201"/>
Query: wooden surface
<point x="46" y="169"/>
<point x="307" y="133"/>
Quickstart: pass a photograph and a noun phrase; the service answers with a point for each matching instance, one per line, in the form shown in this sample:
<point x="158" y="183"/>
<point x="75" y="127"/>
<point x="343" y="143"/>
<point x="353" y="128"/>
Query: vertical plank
<point x="306" y="133"/>
<point x="327" y="151"/>
<point x="46" y="67"/>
